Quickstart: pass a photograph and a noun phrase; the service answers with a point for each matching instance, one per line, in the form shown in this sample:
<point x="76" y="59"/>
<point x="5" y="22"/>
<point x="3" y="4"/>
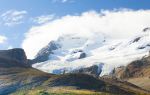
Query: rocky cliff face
<point x="13" y="57"/>
<point x="44" y="53"/>
<point x="134" y="69"/>
<point x="137" y="72"/>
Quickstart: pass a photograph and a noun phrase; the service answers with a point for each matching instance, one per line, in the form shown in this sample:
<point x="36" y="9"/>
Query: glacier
<point x="97" y="49"/>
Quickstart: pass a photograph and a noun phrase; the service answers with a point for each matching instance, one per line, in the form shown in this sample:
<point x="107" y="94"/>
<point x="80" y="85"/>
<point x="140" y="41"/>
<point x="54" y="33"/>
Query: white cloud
<point x="63" y="1"/>
<point x="115" y="24"/>
<point x="12" y="17"/>
<point x="43" y="19"/>
<point x="10" y="47"/>
<point x="3" y="39"/>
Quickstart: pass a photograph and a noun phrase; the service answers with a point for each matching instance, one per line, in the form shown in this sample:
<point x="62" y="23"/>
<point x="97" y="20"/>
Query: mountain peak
<point x="43" y="54"/>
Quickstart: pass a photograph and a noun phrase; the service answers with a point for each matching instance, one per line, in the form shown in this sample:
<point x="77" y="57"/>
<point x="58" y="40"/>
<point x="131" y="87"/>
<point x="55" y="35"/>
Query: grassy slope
<point x="35" y="82"/>
<point x="70" y="84"/>
<point x="60" y="91"/>
<point x="143" y="82"/>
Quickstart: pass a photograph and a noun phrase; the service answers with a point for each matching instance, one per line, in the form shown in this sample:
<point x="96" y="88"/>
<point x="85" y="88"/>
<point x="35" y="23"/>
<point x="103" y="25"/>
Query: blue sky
<point x="28" y="13"/>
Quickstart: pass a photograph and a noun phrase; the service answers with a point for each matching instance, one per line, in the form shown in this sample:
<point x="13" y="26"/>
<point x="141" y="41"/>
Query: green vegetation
<point x="59" y="91"/>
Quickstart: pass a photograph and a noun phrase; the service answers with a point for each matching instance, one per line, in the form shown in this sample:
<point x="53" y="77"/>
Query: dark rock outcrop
<point x="44" y="53"/>
<point x="146" y="29"/>
<point x="144" y="46"/>
<point x="94" y="70"/>
<point x="13" y="57"/>
<point x="82" y="55"/>
<point x="136" y="39"/>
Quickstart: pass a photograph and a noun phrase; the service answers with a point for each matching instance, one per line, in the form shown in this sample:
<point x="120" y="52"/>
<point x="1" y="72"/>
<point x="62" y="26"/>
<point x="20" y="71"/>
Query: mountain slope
<point x="75" y="51"/>
<point x="137" y="72"/>
<point x="22" y="79"/>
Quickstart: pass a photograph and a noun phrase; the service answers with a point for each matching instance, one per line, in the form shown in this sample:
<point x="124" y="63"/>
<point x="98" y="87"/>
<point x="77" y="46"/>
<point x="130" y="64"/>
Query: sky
<point x="21" y="20"/>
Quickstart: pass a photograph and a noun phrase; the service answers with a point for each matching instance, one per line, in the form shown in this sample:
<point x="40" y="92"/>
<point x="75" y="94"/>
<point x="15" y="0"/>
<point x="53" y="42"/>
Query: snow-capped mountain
<point x="72" y="51"/>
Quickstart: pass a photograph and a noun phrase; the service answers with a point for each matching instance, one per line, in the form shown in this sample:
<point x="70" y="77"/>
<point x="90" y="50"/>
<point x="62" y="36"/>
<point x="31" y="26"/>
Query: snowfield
<point x="98" y="49"/>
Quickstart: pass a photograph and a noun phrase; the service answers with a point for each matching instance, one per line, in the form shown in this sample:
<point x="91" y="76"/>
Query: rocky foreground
<point x="17" y="77"/>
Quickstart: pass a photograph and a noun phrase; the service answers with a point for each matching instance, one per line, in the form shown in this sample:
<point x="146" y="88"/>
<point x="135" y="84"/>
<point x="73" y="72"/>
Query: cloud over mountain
<point x="116" y="24"/>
